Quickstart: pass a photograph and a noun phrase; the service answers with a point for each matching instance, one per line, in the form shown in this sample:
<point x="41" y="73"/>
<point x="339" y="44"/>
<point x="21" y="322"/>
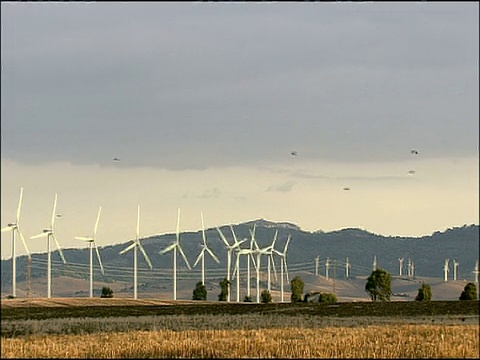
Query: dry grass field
<point x="124" y="328"/>
<point x="384" y="341"/>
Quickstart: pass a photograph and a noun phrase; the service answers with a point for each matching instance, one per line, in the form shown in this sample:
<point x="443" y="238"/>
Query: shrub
<point x="424" y="293"/>
<point x="225" y="287"/>
<point x="106" y="292"/>
<point x="328" y="298"/>
<point x="469" y="292"/>
<point x="200" y="292"/>
<point x="266" y="297"/>
<point x="247" y="299"/>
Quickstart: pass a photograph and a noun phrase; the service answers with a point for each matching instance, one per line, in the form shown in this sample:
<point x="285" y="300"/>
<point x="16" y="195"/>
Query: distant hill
<point x="360" y="246"/>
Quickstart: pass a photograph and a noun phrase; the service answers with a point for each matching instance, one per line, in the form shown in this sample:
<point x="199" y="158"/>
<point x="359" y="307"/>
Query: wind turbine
<point x="49" y="233"/>
<point x="259" y="252"/>
<point x="174" y="247"/>
<point x="271" y="263"/>
<point x="134" y="245"/>
<point x="202" y="253"/>
<point x="283" y="262"/>
<point x="91" y="245"/>
<point x="230" y="249"/>
<point x="14" y="227"/>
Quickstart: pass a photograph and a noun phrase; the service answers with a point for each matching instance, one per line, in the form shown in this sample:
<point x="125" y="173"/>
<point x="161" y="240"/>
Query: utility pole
<point x="400" y="260"/>
<point x="334" y="274"/>
<point x="317" y="262"/>
<point x="327" y="266"/>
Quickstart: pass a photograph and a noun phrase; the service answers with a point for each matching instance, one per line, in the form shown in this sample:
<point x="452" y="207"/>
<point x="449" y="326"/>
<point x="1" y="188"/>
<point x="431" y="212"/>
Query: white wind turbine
<point x="236" y="273"/>
<point x="174" y="247"/>
<point x="202" y="253"/>
<point x="134" y="245"/>
<point x="230" y="249"/>
<point x="259" y="252"/>
<point x="14" y="228"/>
<point x="49" y="233"/>
<point x="283" y="263"/>
<point x="92" y="244"/>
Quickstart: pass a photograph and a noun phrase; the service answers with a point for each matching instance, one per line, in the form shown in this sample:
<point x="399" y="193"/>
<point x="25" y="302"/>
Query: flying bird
<point x="116" y="159"/>
<point x="414" y="152"/>
<point x="411" y="172"/>
<point x="294" y="153"/>
<point x="346" y="188"/>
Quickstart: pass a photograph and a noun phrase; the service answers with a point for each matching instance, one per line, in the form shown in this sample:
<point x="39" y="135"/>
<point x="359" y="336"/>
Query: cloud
<point x="212" y="193"/>
<point x="285" y="187"/>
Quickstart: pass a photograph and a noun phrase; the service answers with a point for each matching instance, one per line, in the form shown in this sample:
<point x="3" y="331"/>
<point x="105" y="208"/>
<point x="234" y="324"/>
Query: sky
<point x="203" y="103"/>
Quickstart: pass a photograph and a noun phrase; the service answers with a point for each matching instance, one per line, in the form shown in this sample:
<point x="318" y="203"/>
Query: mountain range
<point x="428" y="253"/>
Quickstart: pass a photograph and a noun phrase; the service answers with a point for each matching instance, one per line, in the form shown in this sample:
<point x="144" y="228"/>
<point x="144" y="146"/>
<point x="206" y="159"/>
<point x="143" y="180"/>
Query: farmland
<point x="40" y="328"/>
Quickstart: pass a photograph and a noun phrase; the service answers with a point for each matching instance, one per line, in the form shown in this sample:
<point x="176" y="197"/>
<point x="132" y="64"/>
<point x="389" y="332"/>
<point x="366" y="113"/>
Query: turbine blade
<point x="59" y="248"/>
<point x="98" y="257"/>
<point x="145" y="255"/>
<point x="45" y="234"/>
<point x="184" y="257"/>
<point x="223" y="237"/>
<point x="19" y="205"/>
<point x="235" y="241"/>
<point x="168" y="248"/>
<point x="7" y="228"/>
<point x="237" y="265"/>
<point x="54" y="209"/>
<point x="286" y="268"/>
<point x="286" y="245"/>
<point x="84" y="238"/>
<point x="96" y="223"/>
<point x="199" y="257"/>
<point x="273" y="267"/>
<point x="212" y="255"/>
<point x="178" y="225"/>
<point x="24" y="242"/>
<point x="274" y="239"/>
<point x="138" y="223"/>
<point x="203" y="231"/>
<point x="129" y="247"/>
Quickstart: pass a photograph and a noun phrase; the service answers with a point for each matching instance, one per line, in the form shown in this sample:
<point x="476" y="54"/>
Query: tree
<point x="266" y="296"/>
<point x="424" y="293"/>
<point x="107" y="292"/>
<point x="200" y="292"/>
<point x="469" y="292"/>
<point x="328" y="298"/>
<point x="297" y="286"/>
<point x="379" y="285"/>
<point x="225" y="286"/>
<point x="247" y="299"/>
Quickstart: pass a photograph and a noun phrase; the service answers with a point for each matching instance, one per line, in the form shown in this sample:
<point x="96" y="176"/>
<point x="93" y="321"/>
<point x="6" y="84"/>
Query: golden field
<point x="373" y="341"/>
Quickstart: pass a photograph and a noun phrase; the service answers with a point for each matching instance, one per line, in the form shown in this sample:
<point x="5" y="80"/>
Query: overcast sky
<point x="203" y="104"/>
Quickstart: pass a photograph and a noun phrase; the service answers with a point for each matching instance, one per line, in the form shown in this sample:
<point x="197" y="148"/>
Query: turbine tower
<point x="14" y="228"/>
<point x="476" y="273"/>
<point x="174" y="247"/>
<point x="134" y="245"/>
<point x="400" y="260"/>
<point x="201" y="256"/>
<point x="252" y="240"/>
<point x="259" y="252"/>
<point x="445" y="270"/>
<point x="327" y="266"/>
<point x="92" y="244"/>
<point x="236" y="272"/>
<point x="49" y="233"/>
<point x="317" y="262"/>
<point x="374" y="262"/>
<point x="283" y="262"/>
<point x="230" y="249"/>
<point x="455" y="269"/>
